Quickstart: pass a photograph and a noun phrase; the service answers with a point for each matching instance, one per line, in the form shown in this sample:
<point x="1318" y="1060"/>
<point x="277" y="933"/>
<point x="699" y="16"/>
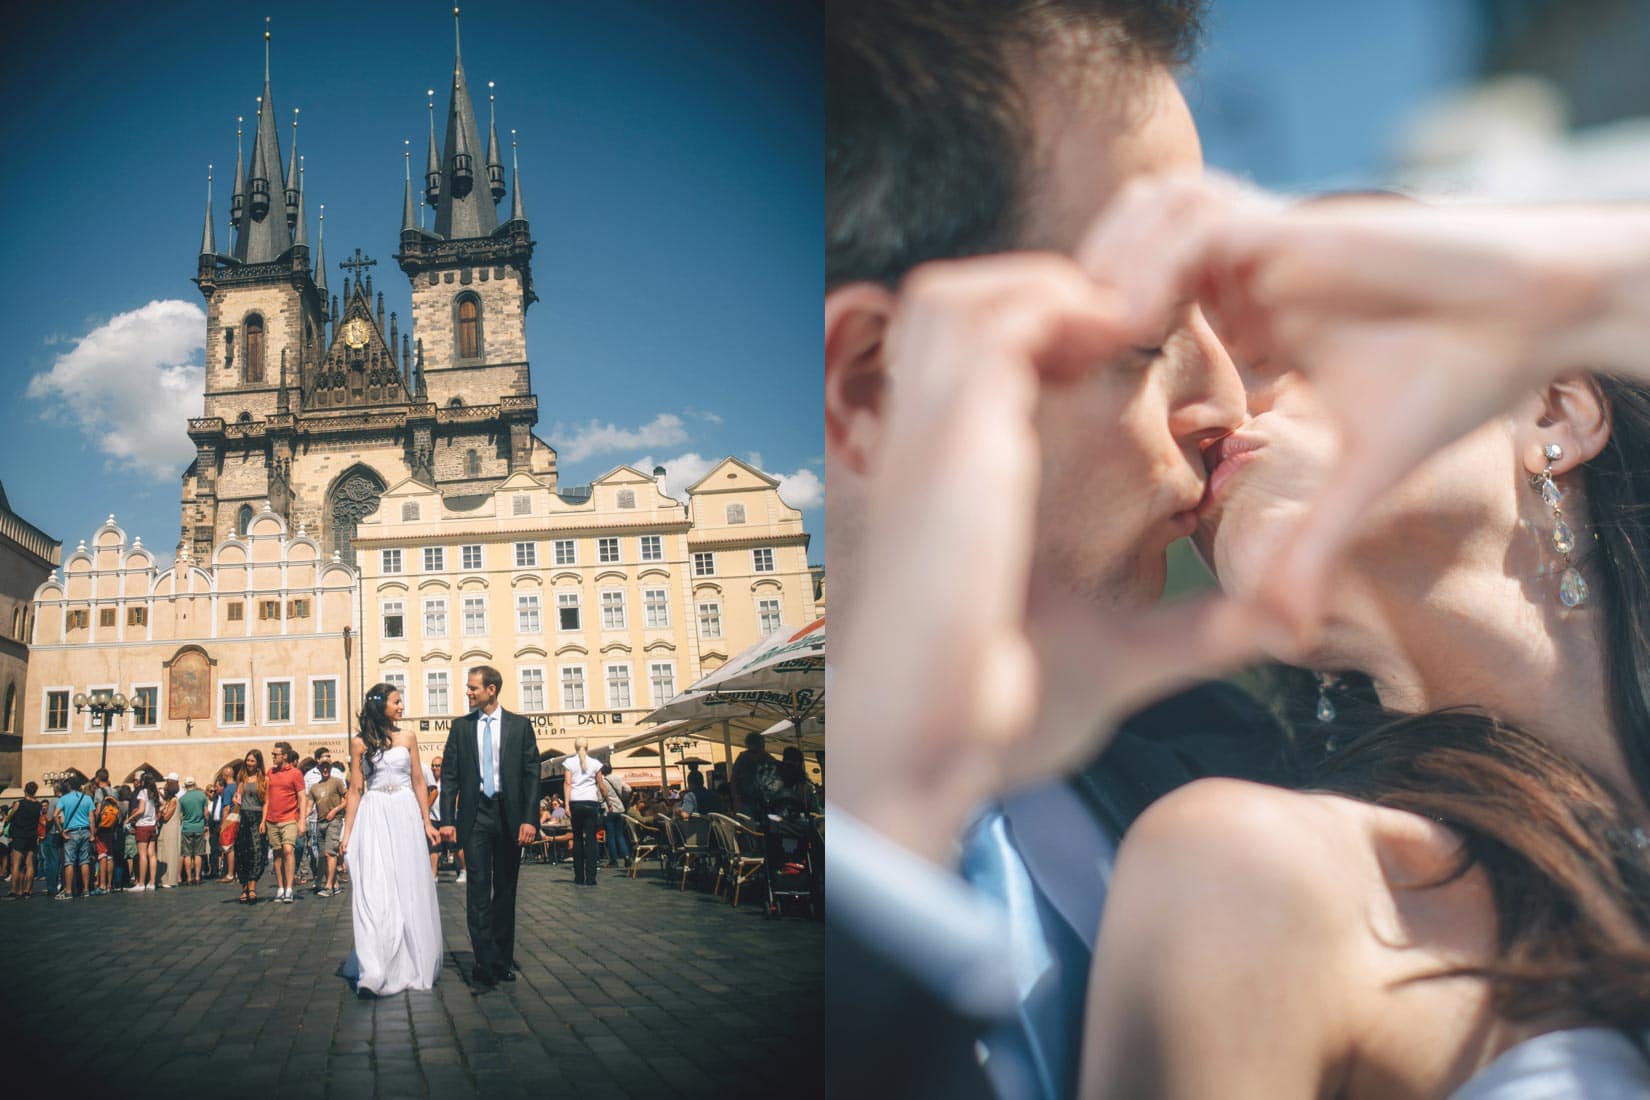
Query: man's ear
<point x="856" y="320"/>
<point x="1570" y="412"/>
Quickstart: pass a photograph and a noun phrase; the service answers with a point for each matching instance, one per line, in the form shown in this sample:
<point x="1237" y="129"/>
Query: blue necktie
<point x="1034" y="1053"/>
<point x="487" y="755"/>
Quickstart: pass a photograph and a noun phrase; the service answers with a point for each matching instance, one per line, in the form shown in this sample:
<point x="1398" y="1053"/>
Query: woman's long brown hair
<point x="262" y="780"/>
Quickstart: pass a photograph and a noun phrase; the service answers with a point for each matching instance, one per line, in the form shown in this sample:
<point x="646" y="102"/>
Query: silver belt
<point x="389" y="790"/>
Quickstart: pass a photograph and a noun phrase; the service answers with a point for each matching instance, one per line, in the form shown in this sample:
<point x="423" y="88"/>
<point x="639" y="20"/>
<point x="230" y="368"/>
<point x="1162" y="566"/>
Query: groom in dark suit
<point x="489" y="787"/>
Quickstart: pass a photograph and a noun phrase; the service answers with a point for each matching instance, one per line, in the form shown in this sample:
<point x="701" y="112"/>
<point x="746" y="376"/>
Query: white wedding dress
<point x="397" y="920"/>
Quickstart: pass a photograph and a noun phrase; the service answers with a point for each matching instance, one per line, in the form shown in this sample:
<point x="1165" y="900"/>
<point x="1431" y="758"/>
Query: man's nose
<point x="1208" y="399"/>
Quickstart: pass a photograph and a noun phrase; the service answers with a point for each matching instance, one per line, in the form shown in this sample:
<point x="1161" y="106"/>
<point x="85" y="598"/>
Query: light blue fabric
<point x="1588" y="1063"/>
<point x="487" y="755"/>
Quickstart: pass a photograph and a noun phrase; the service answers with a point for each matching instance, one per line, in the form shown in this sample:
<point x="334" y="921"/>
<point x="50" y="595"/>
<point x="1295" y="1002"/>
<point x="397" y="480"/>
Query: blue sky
<point x="672" y="172"/>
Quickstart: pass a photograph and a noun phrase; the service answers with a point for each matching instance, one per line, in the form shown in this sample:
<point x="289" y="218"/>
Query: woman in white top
<point x="586" y="795"/>
<point x="144" y="820"/>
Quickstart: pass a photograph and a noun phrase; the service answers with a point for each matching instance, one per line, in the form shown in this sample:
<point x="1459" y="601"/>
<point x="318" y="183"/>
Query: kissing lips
<point x="1223" y="459"/>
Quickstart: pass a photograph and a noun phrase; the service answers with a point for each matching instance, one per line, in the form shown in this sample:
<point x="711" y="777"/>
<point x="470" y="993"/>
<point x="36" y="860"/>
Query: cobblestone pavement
<point x="630" y="989"/>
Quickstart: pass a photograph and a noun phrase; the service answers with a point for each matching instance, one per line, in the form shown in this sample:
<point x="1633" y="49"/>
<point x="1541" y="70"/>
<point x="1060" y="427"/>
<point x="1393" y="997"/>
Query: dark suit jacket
<point x="518" y="766"/>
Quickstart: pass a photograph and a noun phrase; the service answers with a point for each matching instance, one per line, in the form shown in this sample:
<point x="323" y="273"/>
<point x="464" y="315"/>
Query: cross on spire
<point x="358" y="264"/>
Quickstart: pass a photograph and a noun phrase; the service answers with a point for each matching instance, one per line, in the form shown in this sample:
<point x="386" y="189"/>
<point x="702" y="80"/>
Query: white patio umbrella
<point x="782" y="676"/>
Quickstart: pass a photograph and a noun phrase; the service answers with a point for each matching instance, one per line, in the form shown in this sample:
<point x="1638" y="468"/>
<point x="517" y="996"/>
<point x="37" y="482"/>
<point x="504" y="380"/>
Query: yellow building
<point x="214" y="658"/>
<point x="596" y="605"/>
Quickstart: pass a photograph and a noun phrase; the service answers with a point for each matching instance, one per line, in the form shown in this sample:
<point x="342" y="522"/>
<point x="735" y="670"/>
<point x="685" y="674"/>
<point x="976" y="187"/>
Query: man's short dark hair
<point x="102" y="775"/>
<point x="754" y="740"/>
<point x="489" y="676"/>
<point x="76" y="782"/>
<point x="927" y="132"/>
<point x="287" y="755"/>
<point x="695" y="780"/>
<point x="320" y="751"/>
<point x="30" y="787"/>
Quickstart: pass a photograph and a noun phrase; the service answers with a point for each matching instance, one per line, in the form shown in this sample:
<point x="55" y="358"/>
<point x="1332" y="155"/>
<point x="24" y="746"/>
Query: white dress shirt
<point x="496" y="718"/>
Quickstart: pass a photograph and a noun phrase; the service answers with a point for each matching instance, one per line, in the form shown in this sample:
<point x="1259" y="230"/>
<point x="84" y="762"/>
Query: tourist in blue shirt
<point x="74" y="814"/>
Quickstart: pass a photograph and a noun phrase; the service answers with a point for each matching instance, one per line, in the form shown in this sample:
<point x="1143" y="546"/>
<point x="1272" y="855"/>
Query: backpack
<point x="767" y="784"/>
<point x="109" y="816"/>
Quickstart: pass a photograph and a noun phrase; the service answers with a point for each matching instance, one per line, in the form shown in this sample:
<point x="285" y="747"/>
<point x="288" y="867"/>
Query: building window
<point x="607" y="551"/>
<point x="435" y="618"/>
<point x="269" y="609"/>
<point x="736" y="513"/>
<point x="145" y="707"/>
<point x="57" y="711"/>
<point x="527" y="555"/>
<point x="470" y="556"/>
<point x="472" y="463"/>
<point x="704" y="564"/>
<point x="409" y="512"/>
<point x="572" y="688"/>
<point x="521" y="505"/>
<point x="653" y="548"/>
<point x="390" y="560"/>
<point x="235" y="610"/>
<point x="78" y="619"/>
<point x="280" y="702"/>
<point x="618" y="687"/>
<point x="612" y="610"/>
<point x="252" y="330"/>
<point x="475" y="615"/>
<point x="661" y="675"/>
<point x="137" y="616"/>
<point x="567" y="610"/>
<point x="243" y="520"/>
<point x="566" y="552"/>
<point x="436" y="700"/>
<point x="469" y="328"/>
<point x="435" y="559"/>
<point x="234" y="704"/>
<point x="527" y="615"/>
<point x="324" y="700"/>
<point x="106" y="616"/>
<point x="710" y="620"/>
<point x="532" y="690"/>
<point x="762" y="559"/>
<point x="627" y="498"/>
<point x="395" y="619"/>
<point x="767" y="613"/>
<point x="297" y="609"/>
<point x="656" y="608"/>
<point x="398" y="681"/>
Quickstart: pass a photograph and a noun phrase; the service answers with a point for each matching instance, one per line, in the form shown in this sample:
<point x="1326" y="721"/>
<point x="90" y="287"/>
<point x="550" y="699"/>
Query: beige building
<point x="27" y="556"/>
<point x="215" y="657"/>
<point x="596" y="606"/>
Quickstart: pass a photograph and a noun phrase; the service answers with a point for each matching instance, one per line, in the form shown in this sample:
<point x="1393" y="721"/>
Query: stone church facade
<point x="314" y="401"/>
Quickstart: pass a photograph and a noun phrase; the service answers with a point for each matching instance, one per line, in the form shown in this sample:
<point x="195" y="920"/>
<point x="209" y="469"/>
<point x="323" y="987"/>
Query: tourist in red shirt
<point x="284" y="815"/>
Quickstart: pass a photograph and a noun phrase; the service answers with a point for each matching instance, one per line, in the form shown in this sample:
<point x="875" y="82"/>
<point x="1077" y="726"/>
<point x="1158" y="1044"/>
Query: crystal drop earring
<point x="1326" y="709"/>
<point x="1572" y="586"/>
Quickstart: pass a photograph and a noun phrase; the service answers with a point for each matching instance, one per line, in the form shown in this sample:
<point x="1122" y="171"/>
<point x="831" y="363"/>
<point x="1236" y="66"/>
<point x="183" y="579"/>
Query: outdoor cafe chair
<point x="740" y="854"/>
<point x="688" y="847"/>
<point x="645" y="843"/>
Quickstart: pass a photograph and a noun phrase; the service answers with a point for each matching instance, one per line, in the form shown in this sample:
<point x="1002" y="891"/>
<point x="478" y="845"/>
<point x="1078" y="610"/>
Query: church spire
<point x="432" y="170"/>
<point x="462" y="214"/>
<point x="301" y="237"/>
<point x="495" y="167"/>
<point x="237" y="200"/>
<point x="518" y="213"/>
<point x="292" y="185"/>
<point x="264" y="233"/>
<point x="208" y="246"/>
<point x="408" y="225"/>
<point x="321" y="257"/>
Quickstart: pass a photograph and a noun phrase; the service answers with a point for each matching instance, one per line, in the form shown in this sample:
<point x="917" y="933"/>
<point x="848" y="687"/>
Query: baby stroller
<point x="788" y="858"/>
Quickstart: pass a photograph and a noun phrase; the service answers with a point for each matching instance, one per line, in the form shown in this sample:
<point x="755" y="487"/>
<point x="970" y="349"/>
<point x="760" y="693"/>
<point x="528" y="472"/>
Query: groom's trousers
<point x="494" y="862"/>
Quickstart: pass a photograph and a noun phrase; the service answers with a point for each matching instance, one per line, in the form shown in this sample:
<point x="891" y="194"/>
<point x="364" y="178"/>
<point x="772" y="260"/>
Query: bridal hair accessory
<point x="1326" y="709"/>
<point x="1572" y="586"/>
<point x="375" y="696"/>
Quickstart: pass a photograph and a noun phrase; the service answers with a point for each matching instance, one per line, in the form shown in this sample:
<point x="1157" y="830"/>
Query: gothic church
<point x="313" y="402"/>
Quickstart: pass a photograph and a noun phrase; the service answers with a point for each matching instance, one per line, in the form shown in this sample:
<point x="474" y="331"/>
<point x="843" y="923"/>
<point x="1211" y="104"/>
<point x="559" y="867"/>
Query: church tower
<point x="316" y="404"/>
<point x="472" y="277"/>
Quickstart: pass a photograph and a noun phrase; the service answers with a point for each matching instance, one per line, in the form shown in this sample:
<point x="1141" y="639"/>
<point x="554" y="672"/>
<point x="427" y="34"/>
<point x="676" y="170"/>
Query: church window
<point x="627" y="498"/>
<point x="472" y="463"/>
<point x="11" y="708"/>
<point x="17" y="623"/>
<point x="469" y="327"/>
<point x="244" y="418"/>
<point x="253" y="331"/>
<point x="353" y="498"/>
<point x="106" y="617"/>
<point x="736" y="513"/>
<point x="244" y="519"/>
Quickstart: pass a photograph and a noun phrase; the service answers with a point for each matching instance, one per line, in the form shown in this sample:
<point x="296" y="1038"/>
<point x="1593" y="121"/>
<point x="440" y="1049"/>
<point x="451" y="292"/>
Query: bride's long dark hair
<point x="1568" y="868"/>
<point x="374" y="726"/>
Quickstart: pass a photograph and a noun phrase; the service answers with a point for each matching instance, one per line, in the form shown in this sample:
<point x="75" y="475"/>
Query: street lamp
<point x="105" y="707"/>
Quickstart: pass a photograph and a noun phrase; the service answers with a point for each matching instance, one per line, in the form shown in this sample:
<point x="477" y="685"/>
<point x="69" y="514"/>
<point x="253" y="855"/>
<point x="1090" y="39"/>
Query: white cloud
<point x="801" y="489"/>
<point x="130" y="383"/>
<point x="575" y="444"/>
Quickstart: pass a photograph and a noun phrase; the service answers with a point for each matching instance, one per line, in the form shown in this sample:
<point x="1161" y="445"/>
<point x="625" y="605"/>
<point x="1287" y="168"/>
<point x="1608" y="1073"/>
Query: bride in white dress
<point x="386" y="840"/>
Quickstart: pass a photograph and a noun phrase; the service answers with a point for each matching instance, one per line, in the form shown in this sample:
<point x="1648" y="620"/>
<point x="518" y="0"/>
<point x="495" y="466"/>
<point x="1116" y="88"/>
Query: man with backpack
<point x="754" y="773"/>
<point x="74" y="817"/>
<point x="106" y="831"/>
